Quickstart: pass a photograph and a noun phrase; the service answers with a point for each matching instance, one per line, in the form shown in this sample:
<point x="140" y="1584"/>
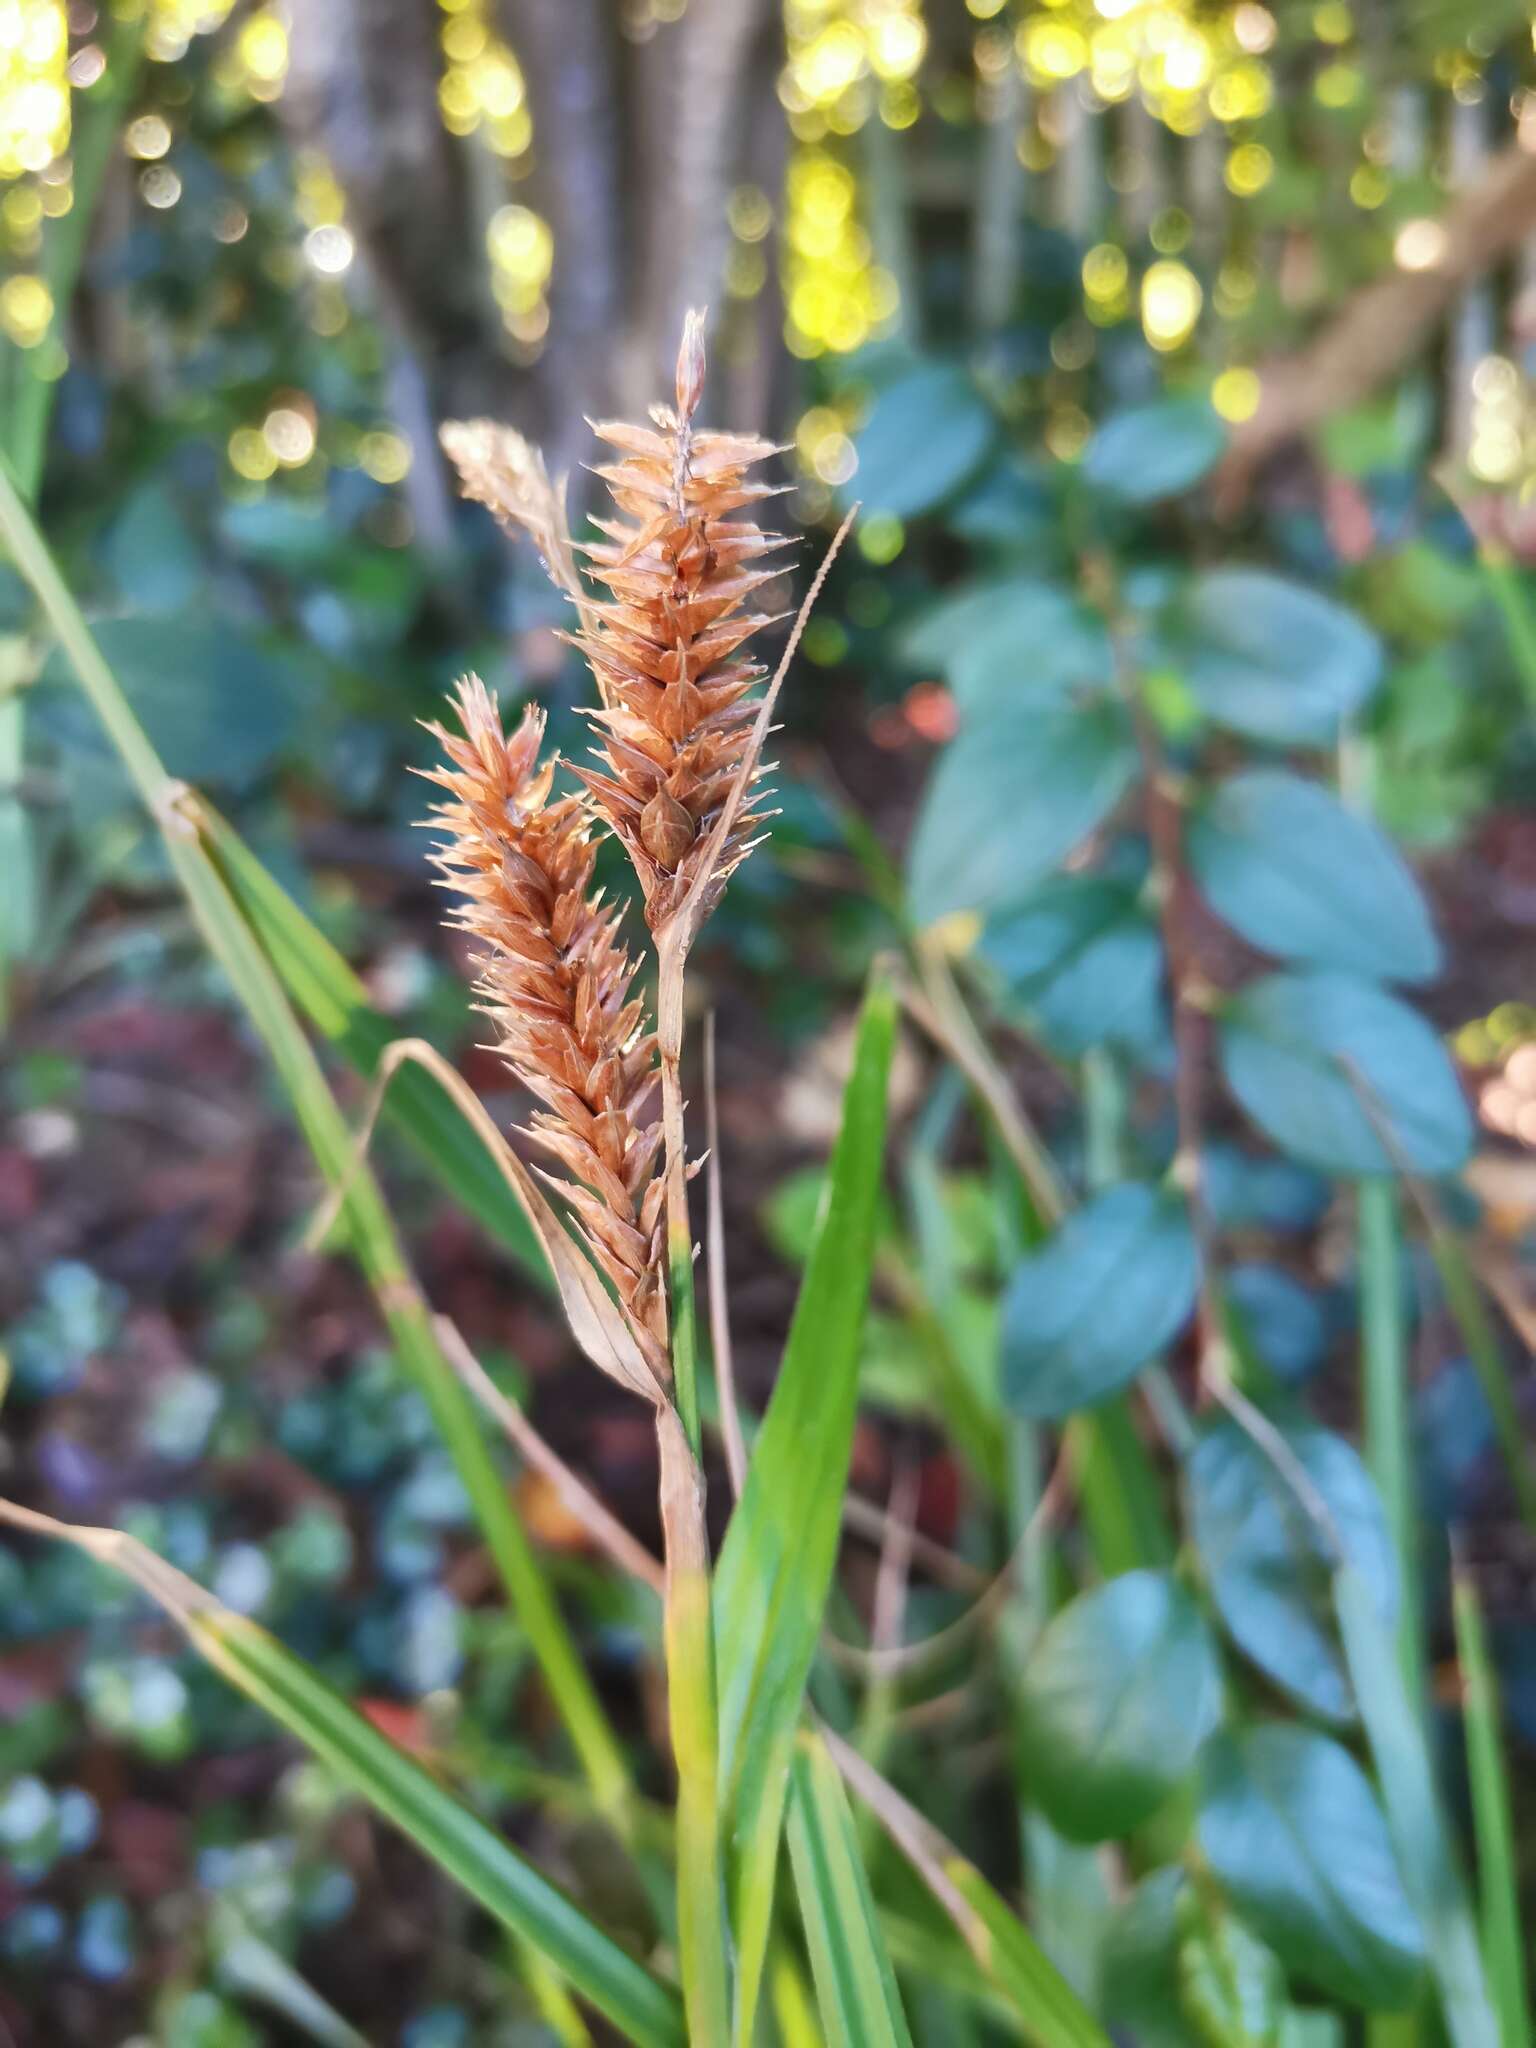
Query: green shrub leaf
<point x="1327" y="1066"/>
<point x="1287" y="866"/>
<point x="1086" y="1312"/>
<point x="1013" y="794"/>
<point x="218" y="704"/>
<point x="1291" y="1829"/>
<point x="1117" y="1697"/>
<point x="1272" y="659"/>
<point x="1268" y="1565"/>
<point x="1139" y="1963"/>
<point x="925" y="434"/>
<point x="1154" y="451"/>
<point x="1010" y="638"/>
<point x="1081" y="962"/>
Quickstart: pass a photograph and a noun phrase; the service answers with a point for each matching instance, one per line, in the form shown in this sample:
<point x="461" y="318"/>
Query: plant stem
<point x="1170" y="887"/>
<point x="1388" y="1443"/>
<point x="1503" y="1940"/>
<point x="689" y="1635"/>
<point x="671" y="959"/>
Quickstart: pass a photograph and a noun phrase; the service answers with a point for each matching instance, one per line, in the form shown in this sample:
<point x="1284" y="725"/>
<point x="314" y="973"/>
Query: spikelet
<point x="556" y="981"/>
<point x="500" y="470"/>
<point x="667" y="645"/>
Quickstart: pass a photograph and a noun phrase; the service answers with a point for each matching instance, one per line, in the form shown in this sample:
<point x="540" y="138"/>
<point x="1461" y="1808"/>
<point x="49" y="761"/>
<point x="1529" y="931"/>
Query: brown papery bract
<point x="667" y="645"/>
<point x="556" y="981"/>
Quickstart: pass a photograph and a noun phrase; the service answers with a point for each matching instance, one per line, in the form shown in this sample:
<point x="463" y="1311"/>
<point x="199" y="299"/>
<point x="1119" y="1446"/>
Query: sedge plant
<point x="681" y="718"/>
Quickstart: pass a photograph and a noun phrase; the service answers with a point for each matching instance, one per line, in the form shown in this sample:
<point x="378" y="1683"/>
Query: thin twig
<point x="867" y="1518"/>
<point x="607" y="1532"/>
<point x="881" y="1662"/>
<point x="895" y="1572"/>
<point x="939" y="1009"/>
<point x="1171" y="888"/>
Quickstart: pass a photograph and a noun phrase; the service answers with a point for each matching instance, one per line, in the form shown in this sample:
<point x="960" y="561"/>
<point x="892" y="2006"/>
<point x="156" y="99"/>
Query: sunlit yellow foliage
<point x="34" y="89"/>
<point x="1188" y="64"/>
<point x="835" y="294"/>
<point x="482" y="91"/>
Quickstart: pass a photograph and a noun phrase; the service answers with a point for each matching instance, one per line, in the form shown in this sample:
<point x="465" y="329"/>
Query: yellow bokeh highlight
<point x="249" y="455"/>
<point x="1171" y="299"/>
<point x="1249" y="169"/>
<point x="384" y="455"/>
<point x="34" y="90"/>
<point x="835" y="294"/>
<point x="26" y="309"/>
<point x="1235" y="394"/>
<point x="482" y="90"/>
<point x="170" y="25"/>
<point x="1106" y="272"/>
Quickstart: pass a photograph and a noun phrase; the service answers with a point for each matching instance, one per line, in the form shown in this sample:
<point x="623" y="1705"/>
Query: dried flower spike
<point x="666" y="645"/>
<point x="557" y="983"/>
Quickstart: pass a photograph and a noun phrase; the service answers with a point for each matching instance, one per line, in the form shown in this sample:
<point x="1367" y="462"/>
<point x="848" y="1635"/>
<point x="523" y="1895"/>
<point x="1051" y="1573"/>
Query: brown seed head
<point x="555" y="979"/>
<point x="667" y="645"/>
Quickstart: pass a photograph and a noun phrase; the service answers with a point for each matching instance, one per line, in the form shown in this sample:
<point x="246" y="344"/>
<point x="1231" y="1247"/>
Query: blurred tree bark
<point x="639" y="136"/>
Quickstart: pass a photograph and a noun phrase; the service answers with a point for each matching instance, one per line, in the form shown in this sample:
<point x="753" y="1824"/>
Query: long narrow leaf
<point x="855" y="1983"/>
<point x="1426" y="1856"/>
<point x="1051" y="2013"/>
<point x="1388" y="1444"/>
<point x="456" y="1840"/>
<point x="330" y="995"/>
<point x="1498" y="1877"/>
<point x="776" y="1562"/>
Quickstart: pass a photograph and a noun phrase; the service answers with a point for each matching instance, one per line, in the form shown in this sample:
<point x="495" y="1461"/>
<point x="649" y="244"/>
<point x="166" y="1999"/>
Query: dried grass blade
<point x="596" y="1321"/>
<point x="607" y="1532"/>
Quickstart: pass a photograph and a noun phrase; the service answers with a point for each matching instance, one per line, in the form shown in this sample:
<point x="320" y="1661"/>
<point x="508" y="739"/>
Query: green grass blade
<point x="254" y="1970"/>
<point x="1426" y="1855"/>
<point x="855" y="1983"/>
<point x="327" y="992"/>
<point x="1388" y="1440"/>
<point x="1464" y="1298"/>
<point x="454" y="1838"/>
<point x="445" y="1830"/>
<point x="1052" y="2014"/>
<point x="1050" y="2011"/>
<point x="1118" y="1486"/>
<point x="365" y="1221"/>
<point x="1498" y="1877"/>
<point x="777" y="1560"/>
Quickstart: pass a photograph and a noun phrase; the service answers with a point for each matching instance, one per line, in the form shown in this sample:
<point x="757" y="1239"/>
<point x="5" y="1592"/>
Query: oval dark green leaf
<point x="925" y="434"/>
<point x="1079" y="961"/>
<point x="1154" y="451"/>
<point x="1344" y="1076"/>
<point x="1009" y="798"/>
<point x="1268" y="1566"/>
<point x="1291" y="1829"/>
<point x="1117" y="1697"/>
<point x="1110" y="1289"/>
<point x="1273" y="659"/>
<point x="1010" y="638"/>
<point x="218" y="704"/>
<point x="1298" y="875"/>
